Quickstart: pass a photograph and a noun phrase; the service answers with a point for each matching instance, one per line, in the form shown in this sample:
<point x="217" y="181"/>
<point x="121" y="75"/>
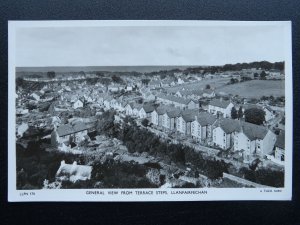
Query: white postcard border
<point x="212" y="194"/>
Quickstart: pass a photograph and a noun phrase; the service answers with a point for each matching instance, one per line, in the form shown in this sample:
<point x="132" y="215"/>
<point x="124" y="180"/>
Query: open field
<point x="198" y="85"/>
<point x="255" y="88"/>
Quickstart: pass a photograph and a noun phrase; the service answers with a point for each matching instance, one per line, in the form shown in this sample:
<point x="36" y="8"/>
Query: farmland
<point x="196" y="85"/>
<point x="255" y="88"/>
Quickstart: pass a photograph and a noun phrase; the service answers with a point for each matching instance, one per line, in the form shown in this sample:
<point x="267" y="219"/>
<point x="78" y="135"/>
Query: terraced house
<point x="157" y="115"/>
<point x="179" y="102"/>
<point x="184" y="121"/>
<point x="254" y="140"/>
<point x="220" y="107"/>
<point x="224" y="131"/>
<point x="201" y="127"/>
<point x="169" y="119"/>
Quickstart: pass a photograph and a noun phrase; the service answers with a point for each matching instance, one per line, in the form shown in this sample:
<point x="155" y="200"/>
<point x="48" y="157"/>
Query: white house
<point x="147" y="109"/>
<point x="129" y="109"/>
<point x="269" y="113"/>
<point x="78" y="104"/>
<point x="192" y="104"/>
<point x="36" y="96"/>
<point x="222" y="107"/>
<point x="73" y="172"/>
<point x="173" y="100"/>
<point x="201" y="127"/>
<point x="275" y="74"/>
<point x="157" y="115"/>
<point x="254" y="140"/>
<point x="224" y="131"/>
<point x="208" y="93"/>
<point x="136" y="108"/>
<point x="69" y="133"/>
<point x="190" y="94"/>
<point x="106" y="101"/>
<point x="180" y="81"/>
<point x="169" y="119"/>
<point x="184" y="122"/>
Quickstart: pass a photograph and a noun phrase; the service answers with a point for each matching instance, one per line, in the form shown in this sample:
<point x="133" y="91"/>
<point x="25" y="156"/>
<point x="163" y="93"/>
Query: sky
<point x="147" y="45"/>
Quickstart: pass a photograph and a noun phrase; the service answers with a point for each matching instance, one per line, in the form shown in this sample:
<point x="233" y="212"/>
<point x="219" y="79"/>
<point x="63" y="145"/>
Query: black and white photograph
<point x="149" y="111"/>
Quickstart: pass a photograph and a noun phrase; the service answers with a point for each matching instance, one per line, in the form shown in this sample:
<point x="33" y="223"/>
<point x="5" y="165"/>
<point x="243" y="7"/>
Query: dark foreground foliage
<point x="264" y="176"/>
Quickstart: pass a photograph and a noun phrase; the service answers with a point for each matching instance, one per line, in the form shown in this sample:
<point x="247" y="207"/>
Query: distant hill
<point x="141" y="69"/>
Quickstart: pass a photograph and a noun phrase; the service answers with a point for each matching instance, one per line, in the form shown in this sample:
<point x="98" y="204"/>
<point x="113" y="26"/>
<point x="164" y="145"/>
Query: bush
<point x="264" y="176"/>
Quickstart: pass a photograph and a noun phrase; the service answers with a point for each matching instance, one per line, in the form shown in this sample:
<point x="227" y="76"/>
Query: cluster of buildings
<point x="178" y="113"/>
<point x="213" y="127"/>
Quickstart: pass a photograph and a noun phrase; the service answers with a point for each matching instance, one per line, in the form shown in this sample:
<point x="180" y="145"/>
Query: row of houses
<point x="246" y="139"/>
<point x="196" y="94"/>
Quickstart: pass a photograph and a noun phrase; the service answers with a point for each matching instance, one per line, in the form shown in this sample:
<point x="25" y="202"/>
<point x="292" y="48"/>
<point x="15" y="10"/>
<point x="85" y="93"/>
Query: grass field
<point x="198" y="85"/>
<point x="255" y="88"/>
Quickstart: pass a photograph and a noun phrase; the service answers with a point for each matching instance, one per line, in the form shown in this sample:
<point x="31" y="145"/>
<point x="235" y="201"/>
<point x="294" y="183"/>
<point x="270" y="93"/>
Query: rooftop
<point x="205" y="118"/>
<point x="253" y="131"/>
<point x="174" y="98"/>
<point x="74" y="172"/>
<point x="67" y="129"/>
<point x="219" y="103"/>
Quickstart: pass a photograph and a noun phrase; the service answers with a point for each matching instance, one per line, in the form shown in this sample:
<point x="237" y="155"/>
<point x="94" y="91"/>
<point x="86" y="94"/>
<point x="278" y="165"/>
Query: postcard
<point x="149" y="111"/>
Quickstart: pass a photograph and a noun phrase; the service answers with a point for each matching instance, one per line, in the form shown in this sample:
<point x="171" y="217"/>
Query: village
<point x="212" y="113"/>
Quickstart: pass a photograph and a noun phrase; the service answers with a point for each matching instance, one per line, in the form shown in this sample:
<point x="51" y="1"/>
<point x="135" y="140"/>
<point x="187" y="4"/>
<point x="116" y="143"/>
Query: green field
<point x="255" y="88"/>
<point x="198" y="85"/>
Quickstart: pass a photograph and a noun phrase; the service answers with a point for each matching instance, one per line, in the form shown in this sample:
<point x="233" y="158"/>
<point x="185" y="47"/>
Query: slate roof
<point x="253" y="131"/>
<point x="161" y="109"/>
<point x="191" y="92"/>
<point x="280" y="140"/>
<point x="148" y="108"/>
<point x="174" y="112"/>
<point x="219" y="103"/>
<point x="174" y="99"/>
<point x="205" y="118"/>
<point x="229" y="125"/>
<point x="189" y="115"/>
<point x="67" y="129"/>
<point x="136" y="106"/>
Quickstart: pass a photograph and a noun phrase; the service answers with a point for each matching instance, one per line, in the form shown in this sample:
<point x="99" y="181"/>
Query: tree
<point x="117" y="79"/>
<point x="233" y="81"/>
<point x="145" y="81"/>
<point x="19" y="82"/>
<point x="207" y="86"/>
<point x="256" y="75"/>
<point x="99" y="74"/>
<point x="263" y="75"/>
<point x="145" y="122"/>
<point x="255" y="115"/>
<point x="163" y="76"/>
<point x="240" y="113"/>
<point x="234" y="114"/>
<point x="105" y="81"/>
<point x="51" y="74"/>
<point x="82" y="73"/>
